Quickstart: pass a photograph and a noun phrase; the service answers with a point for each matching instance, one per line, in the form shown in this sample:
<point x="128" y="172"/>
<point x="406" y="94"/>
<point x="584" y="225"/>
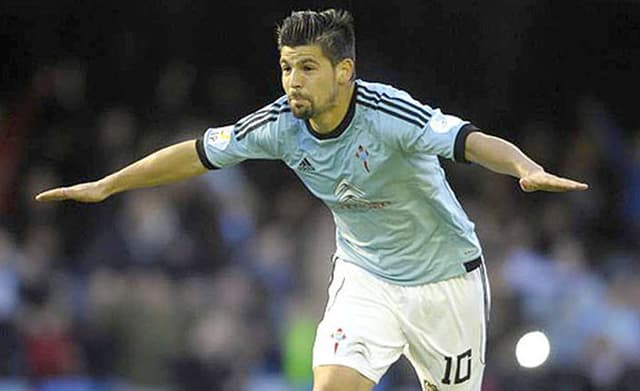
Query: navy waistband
<point x="473" y="264"/>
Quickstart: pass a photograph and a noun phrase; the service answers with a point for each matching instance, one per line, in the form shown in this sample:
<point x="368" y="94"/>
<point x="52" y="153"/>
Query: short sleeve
<point x="439" y="137"/>
<point x="253" y="137"/>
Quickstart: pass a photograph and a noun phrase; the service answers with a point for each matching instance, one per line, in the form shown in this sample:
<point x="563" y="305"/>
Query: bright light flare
<point x="532" y="350"/>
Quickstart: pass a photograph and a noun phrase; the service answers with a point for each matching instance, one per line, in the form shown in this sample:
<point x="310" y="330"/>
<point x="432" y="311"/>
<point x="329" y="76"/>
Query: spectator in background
<point x="128" y="58"/>
<point x="621" y="150"/>
<point x="317" y="59"/>
<point x="10" y="259"/>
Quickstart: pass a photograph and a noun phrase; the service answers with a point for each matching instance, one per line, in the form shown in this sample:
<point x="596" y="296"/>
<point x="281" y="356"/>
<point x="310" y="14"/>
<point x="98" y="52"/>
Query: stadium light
<point x="532" y="349"/>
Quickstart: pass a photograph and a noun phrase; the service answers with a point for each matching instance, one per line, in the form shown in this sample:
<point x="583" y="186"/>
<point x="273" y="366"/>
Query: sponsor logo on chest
<point x="350" y="196"/>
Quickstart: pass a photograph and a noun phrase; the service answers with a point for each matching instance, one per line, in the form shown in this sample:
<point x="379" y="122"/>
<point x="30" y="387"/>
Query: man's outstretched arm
<point x="503" y="157"/>
<point x="168" y="165"/>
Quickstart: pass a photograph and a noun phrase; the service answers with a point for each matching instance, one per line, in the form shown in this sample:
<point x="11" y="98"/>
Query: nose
<point x="295" y="79"/>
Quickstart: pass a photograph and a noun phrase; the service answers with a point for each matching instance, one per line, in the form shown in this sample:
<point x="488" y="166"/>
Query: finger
<point x="563" y="184"/>
<point x="574" y="185"/>
<point x="52" y="195"/>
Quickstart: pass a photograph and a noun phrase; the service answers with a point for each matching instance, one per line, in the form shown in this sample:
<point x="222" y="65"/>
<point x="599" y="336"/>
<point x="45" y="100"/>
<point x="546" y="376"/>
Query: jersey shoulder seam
<point x="261" y="117"/>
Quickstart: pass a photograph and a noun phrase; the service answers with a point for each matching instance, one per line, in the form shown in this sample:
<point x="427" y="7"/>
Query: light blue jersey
<point x="378" y="173"/>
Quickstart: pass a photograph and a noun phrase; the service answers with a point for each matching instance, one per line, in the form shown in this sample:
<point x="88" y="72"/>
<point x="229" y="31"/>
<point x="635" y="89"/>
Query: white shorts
<point x="440" y="327"/>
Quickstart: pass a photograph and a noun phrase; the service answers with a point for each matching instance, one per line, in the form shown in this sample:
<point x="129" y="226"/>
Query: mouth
<point x="298" y="104"/>
<point x="297" y="98"/>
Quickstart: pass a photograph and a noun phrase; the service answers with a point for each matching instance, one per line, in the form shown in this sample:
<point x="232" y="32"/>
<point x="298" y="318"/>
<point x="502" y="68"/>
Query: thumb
<point x="526" y="185"/>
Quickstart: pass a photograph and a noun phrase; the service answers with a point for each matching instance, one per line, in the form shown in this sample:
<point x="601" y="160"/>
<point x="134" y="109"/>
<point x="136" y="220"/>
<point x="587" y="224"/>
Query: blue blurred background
<point x="217" y="283"/>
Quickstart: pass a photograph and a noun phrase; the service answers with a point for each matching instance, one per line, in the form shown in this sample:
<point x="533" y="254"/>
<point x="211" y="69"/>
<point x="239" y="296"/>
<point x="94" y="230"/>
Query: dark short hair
<point x="330" y="29"/>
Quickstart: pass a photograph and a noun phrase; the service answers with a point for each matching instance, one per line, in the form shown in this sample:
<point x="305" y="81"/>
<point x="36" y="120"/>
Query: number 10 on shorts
<point x="462" y="368"/>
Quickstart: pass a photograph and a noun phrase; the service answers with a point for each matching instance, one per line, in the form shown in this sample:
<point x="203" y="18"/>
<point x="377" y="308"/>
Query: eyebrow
<point x="301" y="61"/>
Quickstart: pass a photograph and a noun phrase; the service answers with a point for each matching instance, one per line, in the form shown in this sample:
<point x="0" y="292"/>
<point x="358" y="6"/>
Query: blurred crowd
<point x="217" y="283"/>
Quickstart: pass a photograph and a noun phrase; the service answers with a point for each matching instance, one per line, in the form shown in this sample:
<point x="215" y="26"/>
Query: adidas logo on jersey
<point x="305" y="165"/>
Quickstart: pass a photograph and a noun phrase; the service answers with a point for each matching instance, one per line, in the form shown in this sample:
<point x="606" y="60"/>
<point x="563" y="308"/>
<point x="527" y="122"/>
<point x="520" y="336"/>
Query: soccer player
<point x="408" y="272"/>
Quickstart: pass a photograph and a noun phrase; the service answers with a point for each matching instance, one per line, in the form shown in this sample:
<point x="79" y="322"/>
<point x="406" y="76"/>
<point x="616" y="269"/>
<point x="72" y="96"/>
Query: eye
<point x="309" y="68"/>
<point x="285" y="68"/>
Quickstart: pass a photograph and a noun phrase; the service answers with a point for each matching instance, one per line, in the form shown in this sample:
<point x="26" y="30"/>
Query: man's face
<point x="308" y="79"/>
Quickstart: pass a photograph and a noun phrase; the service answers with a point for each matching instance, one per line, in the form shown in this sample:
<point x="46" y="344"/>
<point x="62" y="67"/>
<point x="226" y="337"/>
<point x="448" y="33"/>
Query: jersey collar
<point x="344" y="124"/>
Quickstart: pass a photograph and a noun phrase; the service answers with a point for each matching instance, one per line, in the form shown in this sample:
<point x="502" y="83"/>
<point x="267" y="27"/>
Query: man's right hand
<point x="168" y="165"/>
<point x="83" y="192"/>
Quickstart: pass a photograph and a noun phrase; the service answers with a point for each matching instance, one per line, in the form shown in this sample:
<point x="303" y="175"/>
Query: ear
<point x="345" y="70"/>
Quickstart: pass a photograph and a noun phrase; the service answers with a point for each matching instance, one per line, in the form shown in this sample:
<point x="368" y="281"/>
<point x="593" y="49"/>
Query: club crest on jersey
<point x="363" y="155"/>
<point x="338" y="336"/>
<point x="429" y="386"/>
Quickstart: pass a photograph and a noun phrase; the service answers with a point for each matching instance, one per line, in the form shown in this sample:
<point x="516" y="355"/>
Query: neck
<point x="330" y="119"/>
